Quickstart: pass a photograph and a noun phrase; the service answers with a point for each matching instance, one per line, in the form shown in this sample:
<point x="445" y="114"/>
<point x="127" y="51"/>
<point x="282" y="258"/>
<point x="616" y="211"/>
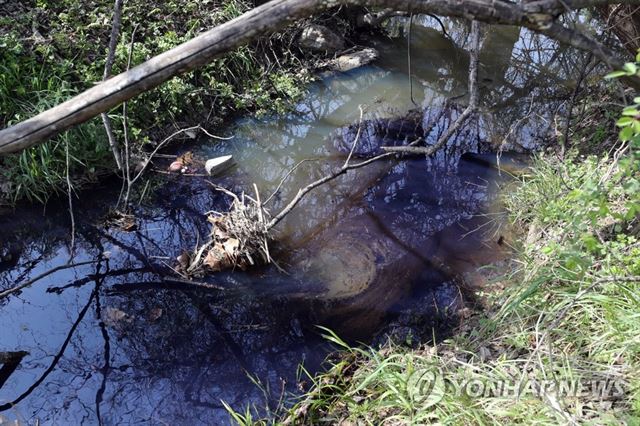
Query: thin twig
<point x="158" y="147"/>
<point x="154" y="153"/>
<point x="70" y="196"/>
<point x="19" y="287"/>
<point x="113" y="42"/>
<point x="512" y="129"/>
<point x="224" y="190"/>
<point x="285" y="177"/>
<point x="193" y="283"/>
<point x="125" y="127"/>
<point x="409" y="58"/>
<point x="261" y="221"/>
<point x="442" y="27"/>
<point x="215" y="136"/>
<point x="303" y="191"/>
<point x="357" y="138"/>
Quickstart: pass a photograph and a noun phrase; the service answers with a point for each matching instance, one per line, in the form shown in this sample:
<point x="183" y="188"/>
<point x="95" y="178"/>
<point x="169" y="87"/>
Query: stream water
<point x="372" y="254"/>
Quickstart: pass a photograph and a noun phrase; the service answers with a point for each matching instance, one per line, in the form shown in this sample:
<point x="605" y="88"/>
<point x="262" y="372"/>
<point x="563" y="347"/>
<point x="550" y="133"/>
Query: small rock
<point x="320" y="39"/>
<point x="355" y="60"/>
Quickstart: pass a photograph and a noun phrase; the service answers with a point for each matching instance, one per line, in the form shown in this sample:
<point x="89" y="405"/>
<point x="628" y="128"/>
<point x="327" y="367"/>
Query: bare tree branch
<point x="344" y="169"/>
<point x="113" y="42"/>
<point x="556" y="7"/>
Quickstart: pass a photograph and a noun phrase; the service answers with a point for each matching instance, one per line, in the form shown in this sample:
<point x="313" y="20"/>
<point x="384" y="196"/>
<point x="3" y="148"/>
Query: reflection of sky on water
<point x="174" y="352"/>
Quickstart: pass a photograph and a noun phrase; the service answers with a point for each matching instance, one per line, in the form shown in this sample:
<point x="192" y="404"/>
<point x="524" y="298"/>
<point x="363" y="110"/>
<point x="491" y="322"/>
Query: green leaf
<point x="590" y="242"/>
<point x="630" y="111"/>
<point x="632" y="211"/>
<point x="626" y="134"/>
<point x="630" y="68"/>
<point x="615" y="74"/>
<point x="624" y="121"/>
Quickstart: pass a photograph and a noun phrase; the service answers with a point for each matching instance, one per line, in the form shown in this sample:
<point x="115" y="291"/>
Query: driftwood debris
<point x="239" y="238"/>
<point x="539" y="16"/>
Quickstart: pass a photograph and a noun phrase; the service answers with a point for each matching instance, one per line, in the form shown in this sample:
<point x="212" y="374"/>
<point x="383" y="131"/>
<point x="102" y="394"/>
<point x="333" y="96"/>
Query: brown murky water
<point x="371" y="254"/>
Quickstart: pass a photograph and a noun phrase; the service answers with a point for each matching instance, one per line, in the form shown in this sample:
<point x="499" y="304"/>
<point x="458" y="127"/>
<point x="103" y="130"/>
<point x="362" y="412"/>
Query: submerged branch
<point x="344" y="169"/>
<point x="304" y="191"/>
<point x="473" y="103"/>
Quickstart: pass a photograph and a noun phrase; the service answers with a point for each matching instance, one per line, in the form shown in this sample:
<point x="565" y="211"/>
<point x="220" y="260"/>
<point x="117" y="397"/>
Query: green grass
<point x="36" y="174"/>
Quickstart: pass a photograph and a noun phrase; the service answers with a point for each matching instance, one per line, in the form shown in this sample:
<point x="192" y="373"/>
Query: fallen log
<point x="270" y="17"/>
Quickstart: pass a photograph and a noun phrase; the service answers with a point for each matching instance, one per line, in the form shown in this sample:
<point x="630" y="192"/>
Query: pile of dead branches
<point x="239" y="238"/>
